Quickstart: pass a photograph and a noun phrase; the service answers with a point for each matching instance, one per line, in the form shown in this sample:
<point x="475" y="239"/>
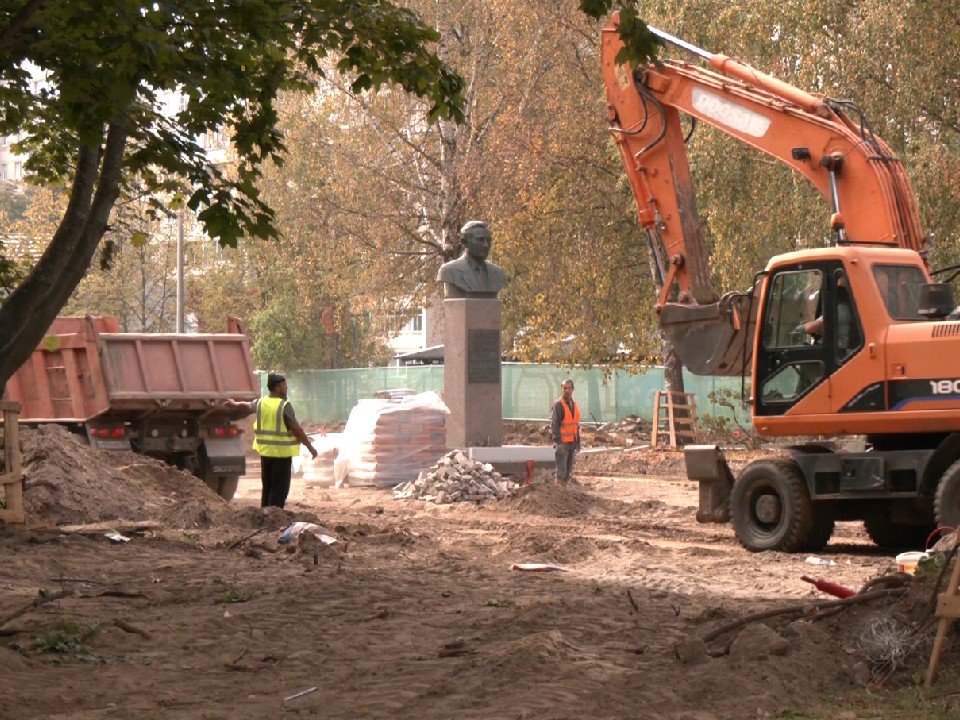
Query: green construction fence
<point x="528" y="391"/>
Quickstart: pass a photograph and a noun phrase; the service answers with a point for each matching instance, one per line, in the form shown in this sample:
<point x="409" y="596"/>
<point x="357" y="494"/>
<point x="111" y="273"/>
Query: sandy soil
<point x="417" y="611"/>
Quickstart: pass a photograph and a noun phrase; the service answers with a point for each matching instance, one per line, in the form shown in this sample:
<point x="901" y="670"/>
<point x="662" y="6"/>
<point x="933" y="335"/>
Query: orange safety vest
<point x="570" y="424"/>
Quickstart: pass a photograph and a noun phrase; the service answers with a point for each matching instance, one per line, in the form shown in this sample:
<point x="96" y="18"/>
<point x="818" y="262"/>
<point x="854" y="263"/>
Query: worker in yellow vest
<point x="277" y="437"/>
<point x="565" y="429"/>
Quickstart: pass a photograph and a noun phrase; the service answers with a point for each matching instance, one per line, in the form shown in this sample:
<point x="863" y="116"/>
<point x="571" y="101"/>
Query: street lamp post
<point x="180" y="263"/>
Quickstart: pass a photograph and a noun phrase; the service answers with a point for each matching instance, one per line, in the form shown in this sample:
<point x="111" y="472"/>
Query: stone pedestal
<point x="471" y="372"/>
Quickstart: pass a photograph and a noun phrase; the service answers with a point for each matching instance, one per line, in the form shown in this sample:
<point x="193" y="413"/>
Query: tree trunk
<point x="33" y="305"/>
<point x="672" y="369"/>
<point x="451" y="196"/>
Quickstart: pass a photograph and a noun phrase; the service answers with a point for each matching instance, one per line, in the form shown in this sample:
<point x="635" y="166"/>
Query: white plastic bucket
<point x="907" y="562"/>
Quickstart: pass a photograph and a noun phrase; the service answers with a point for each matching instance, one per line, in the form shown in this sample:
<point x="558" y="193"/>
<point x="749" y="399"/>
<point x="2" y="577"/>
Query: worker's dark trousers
<point x="565" y="452"/>
<point x="275" y="476"/>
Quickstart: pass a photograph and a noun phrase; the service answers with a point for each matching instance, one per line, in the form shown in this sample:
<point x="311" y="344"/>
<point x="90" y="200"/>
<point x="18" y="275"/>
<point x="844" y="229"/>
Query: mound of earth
<point x="68" y="482"/>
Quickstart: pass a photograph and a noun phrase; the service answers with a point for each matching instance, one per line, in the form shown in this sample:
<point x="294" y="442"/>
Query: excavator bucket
<point x="713" y="339"/>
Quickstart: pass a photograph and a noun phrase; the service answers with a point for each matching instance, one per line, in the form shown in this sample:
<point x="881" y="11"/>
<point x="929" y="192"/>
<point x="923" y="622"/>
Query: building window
<point x="416" y="323"/>
<point x="412" y="326"/>
<point x="17" y="170"/>
<point x="3" y="171"/>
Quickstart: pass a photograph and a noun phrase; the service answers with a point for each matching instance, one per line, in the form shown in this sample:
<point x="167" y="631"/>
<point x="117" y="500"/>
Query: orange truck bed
<point x="85" y="368"/>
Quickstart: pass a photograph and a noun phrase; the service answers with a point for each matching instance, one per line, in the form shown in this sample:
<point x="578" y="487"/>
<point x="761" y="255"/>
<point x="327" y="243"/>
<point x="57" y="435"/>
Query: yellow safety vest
<point x="570" y="424"/>
<point x="271" y="438"/>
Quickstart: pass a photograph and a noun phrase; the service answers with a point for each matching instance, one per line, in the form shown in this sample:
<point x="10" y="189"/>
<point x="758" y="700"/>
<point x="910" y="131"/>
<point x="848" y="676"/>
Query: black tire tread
<point x="800" y="532"/>
<point x="892" y="535"/>
<point x="946" y="505"/>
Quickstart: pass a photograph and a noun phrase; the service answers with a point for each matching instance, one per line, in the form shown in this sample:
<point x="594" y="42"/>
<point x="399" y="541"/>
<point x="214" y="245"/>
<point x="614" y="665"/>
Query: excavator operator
<point x="844" y="319"/>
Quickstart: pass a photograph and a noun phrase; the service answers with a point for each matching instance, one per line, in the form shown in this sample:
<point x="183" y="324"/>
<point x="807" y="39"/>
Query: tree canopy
<point x="506" y="123"/>
<point x="97" y="124"/>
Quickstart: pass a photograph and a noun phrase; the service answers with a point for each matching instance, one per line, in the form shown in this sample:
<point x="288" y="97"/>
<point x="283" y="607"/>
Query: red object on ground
<point x="828" y="587"/>
<point x="529" y="480"/>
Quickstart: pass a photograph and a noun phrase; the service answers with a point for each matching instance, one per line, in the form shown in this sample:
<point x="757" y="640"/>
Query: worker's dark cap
<point x="274" y="379"/>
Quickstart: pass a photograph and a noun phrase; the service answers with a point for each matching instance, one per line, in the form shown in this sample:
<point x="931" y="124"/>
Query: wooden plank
<point x="655" y="436"/>
<point x="97" y="528"/>
<point x="945" y="623"/>
<point x="13" y="463"/>
<point x="948" y="606"/>
<point x="11" y="517"/>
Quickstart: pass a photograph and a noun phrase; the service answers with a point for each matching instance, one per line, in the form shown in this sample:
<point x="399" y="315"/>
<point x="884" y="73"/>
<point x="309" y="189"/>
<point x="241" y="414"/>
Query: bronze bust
<point x="470" y="275"/>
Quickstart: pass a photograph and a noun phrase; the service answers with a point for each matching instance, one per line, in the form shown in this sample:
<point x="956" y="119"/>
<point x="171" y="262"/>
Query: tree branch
<point x="799" y="608"/>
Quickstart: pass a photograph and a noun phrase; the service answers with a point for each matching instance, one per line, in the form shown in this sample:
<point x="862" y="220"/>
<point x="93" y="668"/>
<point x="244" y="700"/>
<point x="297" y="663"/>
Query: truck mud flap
<point x="714" y="339"/>
<point x="707" y="465"/>
<point x="222" y="456"/>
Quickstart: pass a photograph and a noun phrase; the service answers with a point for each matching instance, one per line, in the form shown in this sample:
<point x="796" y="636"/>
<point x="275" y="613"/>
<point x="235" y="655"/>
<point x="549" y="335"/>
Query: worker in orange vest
<point x="565" y="429"/>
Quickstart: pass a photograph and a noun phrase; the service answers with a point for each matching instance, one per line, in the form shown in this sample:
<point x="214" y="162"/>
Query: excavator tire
<point x="820" y="533"/>
<point x="946" y="505"/>
<point x="893" y="535"/>
<point x="772" y="509"/>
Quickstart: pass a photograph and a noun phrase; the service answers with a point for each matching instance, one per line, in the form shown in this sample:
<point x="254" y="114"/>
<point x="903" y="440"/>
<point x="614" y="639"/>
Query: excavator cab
<point x="810" y="328"/>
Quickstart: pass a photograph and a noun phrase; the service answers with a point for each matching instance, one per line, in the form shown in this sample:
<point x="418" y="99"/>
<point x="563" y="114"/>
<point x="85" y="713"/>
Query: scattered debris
<point x="632" y="430"/>
<point x="300" y="694"/>
<point x="294" y="531"/>
<point x="828" y="587"/>
<point x="537" y="567"/>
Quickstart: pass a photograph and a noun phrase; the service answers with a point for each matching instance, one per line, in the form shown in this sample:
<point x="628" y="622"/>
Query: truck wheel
<point x="947" y="502"/>
<point x="771" y="507"/>
<point x="820" y="533"/>
<point x="224" y="485"/>
<point x="888" y="534"/>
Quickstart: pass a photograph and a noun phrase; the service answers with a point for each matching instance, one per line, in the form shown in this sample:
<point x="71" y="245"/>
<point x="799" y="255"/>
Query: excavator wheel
<point x="893" y="535"/>
<point x="223" y="485"/>
<point x="820" y="533"/>
<point x="947" y="502"/>
<point x="772" y="509"/>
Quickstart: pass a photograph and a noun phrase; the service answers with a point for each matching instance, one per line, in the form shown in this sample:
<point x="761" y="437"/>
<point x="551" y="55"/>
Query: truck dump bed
<point x="86" y="368"/>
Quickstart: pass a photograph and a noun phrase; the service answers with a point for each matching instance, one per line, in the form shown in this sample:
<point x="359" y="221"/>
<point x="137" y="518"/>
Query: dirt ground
<point x="418" y="611"/>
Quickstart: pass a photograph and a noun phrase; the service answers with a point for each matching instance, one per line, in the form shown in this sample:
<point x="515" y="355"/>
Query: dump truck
<point x="158" y="394"/>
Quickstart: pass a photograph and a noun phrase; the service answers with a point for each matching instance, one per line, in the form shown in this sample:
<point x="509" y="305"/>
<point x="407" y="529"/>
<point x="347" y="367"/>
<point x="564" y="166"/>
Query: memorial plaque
<point x="483" y="356"/>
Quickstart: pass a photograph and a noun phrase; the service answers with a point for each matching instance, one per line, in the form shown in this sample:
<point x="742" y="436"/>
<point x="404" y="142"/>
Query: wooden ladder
<point x="12" y="476"/>
<point x="948" y="610"/>
<point x="674" y="425"/>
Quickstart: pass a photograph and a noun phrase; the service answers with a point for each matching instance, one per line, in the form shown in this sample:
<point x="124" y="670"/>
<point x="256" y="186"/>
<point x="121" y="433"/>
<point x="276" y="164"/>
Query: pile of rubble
<point x="456" y="478"/>
<point x="632" y="430"/>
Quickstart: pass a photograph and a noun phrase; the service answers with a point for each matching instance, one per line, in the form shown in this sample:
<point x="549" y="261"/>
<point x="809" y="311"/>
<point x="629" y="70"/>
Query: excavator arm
<point x="864" y="183"/>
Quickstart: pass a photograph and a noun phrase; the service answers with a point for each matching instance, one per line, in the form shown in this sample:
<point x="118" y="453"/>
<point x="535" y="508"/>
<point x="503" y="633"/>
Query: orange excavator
<point x="850" y="339"/>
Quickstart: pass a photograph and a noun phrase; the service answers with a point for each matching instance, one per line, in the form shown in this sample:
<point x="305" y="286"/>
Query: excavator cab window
<point x="899" y="287"/>
<point x="810" y="328"/>
<point x="794" y="299"/>
<point x="790" y="362"/>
